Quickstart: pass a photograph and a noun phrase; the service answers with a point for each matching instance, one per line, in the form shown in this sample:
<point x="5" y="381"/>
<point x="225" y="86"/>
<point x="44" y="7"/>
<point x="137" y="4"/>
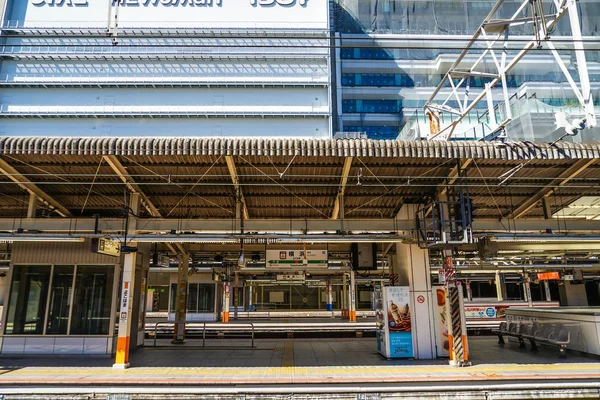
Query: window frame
<point x="113" y="308"/>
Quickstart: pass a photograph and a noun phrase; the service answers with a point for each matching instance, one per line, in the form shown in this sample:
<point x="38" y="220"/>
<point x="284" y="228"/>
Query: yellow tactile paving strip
<point x="275" y="375"/>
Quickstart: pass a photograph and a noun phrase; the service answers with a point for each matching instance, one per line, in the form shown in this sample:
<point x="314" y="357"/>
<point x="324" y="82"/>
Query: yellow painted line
<point x="288" y="355"/>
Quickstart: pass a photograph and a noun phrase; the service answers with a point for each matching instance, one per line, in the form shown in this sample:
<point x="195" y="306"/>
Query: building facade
<point x="393" y="54"/>
<point x="165" y="68"/>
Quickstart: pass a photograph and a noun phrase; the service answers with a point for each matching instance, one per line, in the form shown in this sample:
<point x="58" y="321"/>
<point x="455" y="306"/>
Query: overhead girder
<point x="24" y="183"/>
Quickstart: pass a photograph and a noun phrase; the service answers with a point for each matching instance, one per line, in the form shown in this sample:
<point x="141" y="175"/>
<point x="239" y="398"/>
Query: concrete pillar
<point x="127" y="290"/>
<point x="547" y="291"/>
<point x="32" y="206"/>
<point x="226" y="294"/>
<point x="412" y="265"/>
<point x="500" y="286"/>
<point x="352" y="313"/>
<point x="572" y="295"/>
<point x="181" y="299"/>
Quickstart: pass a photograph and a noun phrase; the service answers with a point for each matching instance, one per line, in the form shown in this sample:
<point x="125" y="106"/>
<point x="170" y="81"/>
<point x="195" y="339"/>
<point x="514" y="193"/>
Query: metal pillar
<point x="226" y="294"/>
<point x="127" y="291"/>
<point x="181" y="299"/>
<point x="352" y="314"/>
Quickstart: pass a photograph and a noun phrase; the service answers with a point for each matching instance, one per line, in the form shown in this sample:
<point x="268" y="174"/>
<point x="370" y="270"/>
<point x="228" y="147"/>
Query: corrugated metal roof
<point x="290" y="147"/>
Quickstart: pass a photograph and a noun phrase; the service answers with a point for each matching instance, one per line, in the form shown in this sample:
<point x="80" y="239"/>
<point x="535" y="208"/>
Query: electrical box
<point x="364" y="256"/>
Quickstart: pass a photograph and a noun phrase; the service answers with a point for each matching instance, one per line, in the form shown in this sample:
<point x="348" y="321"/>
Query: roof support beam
<point x="548" y="190"/>
<point x="454" y="174"/>
<point x="122" y="173"/>
<point x="236" y="183"/>
<point x="342" y="190"/>
<point x="11" y="173"/>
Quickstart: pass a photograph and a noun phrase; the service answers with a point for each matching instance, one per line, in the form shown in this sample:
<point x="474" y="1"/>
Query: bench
<point x="553" y="334"/>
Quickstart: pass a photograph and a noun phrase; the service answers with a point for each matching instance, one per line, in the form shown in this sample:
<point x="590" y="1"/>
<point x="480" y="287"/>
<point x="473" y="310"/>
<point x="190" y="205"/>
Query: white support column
<point x="250" y="295"/>
<point x="547" y="291"/>
<point x="352" y="312"/>
<point x="181" y="299"/>
<point x="584" y="78"/>
<point x="499" y="286"/>
<point x="329" y="305"/>
<point x="127" y="291"/>
<point x="226" y="294"/>
<point x="412" y="266"/>
<point x="469" y="291"/>
<point x="527" y="289"/>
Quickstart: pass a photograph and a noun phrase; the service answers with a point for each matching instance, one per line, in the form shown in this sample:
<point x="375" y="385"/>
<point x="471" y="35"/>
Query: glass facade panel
<point x="200" y="297"/>
<point x="206" y="298"/>
<point x="93" y="291"/>
<point x="27" y="304"/>
<point x="60" y="300"/>
<point x="160" y="298"/>
<point x="445" y="17"/>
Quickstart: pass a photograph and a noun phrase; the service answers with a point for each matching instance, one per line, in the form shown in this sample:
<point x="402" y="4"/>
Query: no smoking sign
<point x="420" y="299"/>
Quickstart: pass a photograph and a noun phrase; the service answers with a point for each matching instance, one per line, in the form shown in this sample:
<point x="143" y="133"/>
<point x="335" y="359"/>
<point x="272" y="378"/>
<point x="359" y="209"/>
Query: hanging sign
<point x="296" y="258"/>
<point x="109" y="247"/>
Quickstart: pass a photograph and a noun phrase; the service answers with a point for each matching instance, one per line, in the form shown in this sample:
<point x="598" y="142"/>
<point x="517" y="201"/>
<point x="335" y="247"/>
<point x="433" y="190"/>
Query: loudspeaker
<point x="364" y="256"/>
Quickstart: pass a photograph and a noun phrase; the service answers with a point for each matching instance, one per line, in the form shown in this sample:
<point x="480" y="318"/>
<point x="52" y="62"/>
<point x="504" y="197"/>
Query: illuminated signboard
<point x="548" y="276"/>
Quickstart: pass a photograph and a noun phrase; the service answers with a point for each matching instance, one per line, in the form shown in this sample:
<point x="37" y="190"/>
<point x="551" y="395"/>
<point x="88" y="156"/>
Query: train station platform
<point x="301" y="365"/>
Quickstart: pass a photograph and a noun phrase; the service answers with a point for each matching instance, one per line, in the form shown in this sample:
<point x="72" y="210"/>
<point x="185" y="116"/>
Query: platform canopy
<point x="287" y="178"/>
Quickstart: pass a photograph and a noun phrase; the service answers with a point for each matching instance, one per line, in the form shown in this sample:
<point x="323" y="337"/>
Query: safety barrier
<point x="214" y="330"/>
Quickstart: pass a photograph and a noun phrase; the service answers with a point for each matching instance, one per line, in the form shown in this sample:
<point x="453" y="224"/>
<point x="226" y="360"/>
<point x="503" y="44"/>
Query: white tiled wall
<point x="55" y="345"/>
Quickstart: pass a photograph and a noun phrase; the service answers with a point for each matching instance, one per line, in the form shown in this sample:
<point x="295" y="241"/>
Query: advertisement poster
<point x="399" y="322"/>
<point x="441" y="332"/>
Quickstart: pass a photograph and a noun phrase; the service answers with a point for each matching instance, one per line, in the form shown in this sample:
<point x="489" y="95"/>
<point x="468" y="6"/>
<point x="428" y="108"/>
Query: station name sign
<point x="168" y="3"/>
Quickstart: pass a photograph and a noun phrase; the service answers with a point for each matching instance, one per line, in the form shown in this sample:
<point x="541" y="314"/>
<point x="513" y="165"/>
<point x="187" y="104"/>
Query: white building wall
<point x="233" y="68"/>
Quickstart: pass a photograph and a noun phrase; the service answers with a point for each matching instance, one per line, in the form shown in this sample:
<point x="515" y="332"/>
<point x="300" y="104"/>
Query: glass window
<point x="60" y="300"/>
<point x="27" y="304"/>
<point x="93" y="291"/>
<point x="206" y="298"/>
<point x="160" y="297"/>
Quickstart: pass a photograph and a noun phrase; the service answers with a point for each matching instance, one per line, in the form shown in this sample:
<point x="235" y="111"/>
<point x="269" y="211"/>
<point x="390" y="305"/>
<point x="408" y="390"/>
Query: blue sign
<point x="401" y="345"/>
<point x="490" y="312"/>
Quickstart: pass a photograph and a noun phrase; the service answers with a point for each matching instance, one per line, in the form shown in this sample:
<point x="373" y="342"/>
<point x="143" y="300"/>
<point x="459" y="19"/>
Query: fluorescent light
<point x="40" y="238"/>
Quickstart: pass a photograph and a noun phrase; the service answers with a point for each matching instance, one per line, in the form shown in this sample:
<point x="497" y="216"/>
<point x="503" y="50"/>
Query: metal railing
<point x="238" y="329"/>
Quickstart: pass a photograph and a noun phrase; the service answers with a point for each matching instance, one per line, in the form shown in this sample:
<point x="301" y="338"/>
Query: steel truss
<point x="492" y="32"/>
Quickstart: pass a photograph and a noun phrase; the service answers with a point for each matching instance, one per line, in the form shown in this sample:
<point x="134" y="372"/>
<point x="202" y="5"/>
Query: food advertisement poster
<point x="441" y="334"/>
<point x="399" y="322"/>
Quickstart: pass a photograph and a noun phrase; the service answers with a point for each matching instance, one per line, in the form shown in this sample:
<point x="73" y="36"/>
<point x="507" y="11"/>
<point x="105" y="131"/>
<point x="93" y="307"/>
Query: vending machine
<point x="394" y="322"/>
